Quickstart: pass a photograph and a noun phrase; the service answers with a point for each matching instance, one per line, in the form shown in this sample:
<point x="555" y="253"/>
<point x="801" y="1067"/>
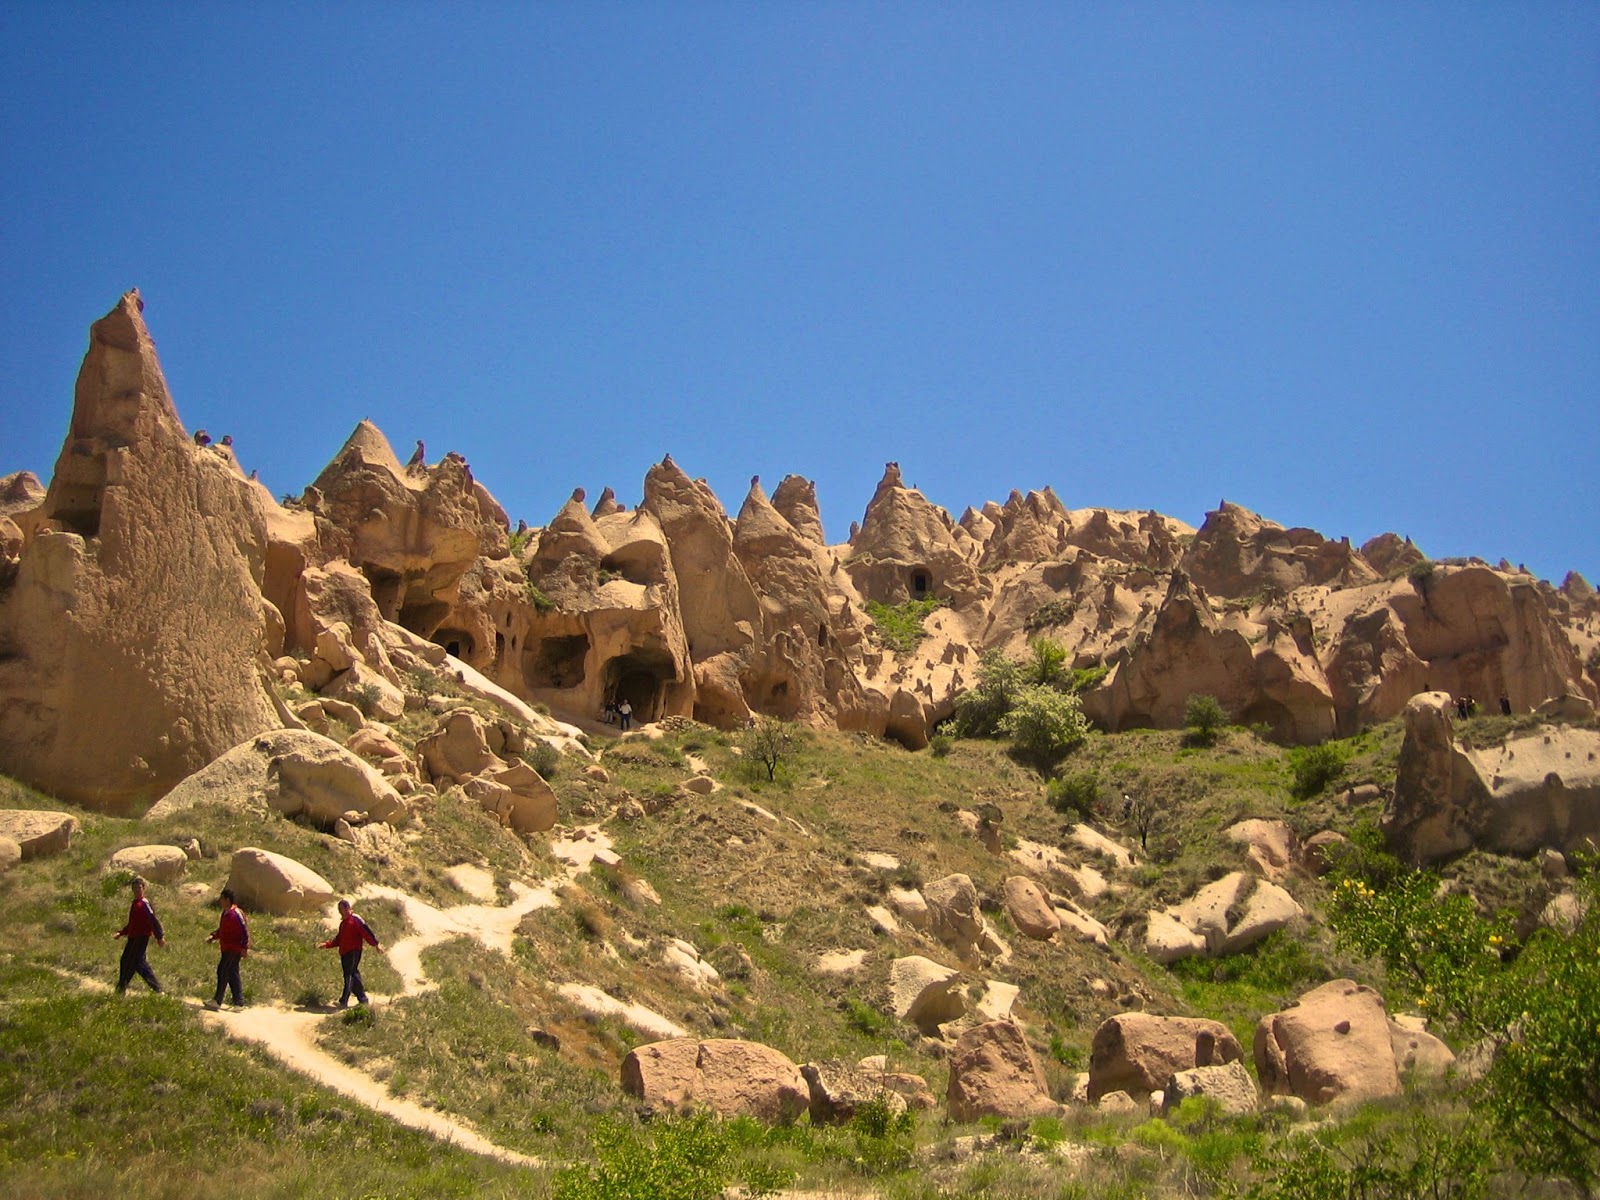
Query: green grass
<point x="899" y="626"/>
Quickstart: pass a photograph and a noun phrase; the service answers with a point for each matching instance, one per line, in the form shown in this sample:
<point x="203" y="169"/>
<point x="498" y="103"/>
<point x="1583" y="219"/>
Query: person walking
<point x="143" y="924"/>
<point x="353" y="931"/>
<point x="233" y="936"/>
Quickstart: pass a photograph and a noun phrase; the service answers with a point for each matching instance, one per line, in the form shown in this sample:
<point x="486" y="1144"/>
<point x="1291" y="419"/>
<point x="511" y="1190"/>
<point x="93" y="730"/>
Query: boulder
<point x="1319" y="850"/>
<point x="1138" y="1052"/>
<point x="1333" y="1044"/>
<point x="38" y="834"/>
<point x="458" y="748"/>
<point x="954" y="917"/>
<point x="1417" y="1052"/>
<point x="273" y="883"/>
<point x="925" y="993"/>
<point x="291" y="771"/>
<point x="732" y="1078"/>
<point x="1224" y="917"/>
<point x="1229" y="1085"/>
<point x="158" y="864"/>
<point x="993" y="1073"/>
<point x="838" y="1089"/>
<point x="1271" y="846"/>
<point x="1029" y="909"/>
<point x="517" y="795"/>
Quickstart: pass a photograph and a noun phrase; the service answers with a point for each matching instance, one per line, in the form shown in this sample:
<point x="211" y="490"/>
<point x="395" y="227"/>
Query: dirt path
<point x="290" y="1034"/>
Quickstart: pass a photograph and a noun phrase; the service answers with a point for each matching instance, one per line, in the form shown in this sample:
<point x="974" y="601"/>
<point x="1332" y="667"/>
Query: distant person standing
<point x="1505" y="705"/>
<point x="625" y="714"/>
<point x="143" y="924"/>
<point x="353" y="932"/>
<point x="233" y="936"/>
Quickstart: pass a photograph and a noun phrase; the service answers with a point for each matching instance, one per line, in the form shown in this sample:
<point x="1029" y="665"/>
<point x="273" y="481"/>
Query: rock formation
<point x="131" y="630"/>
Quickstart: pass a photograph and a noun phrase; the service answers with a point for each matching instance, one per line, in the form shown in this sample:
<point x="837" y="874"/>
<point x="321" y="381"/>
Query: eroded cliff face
<point x="132" y="622"/>
<point x="1537" y="789"/>
<point x="384" y="569"/>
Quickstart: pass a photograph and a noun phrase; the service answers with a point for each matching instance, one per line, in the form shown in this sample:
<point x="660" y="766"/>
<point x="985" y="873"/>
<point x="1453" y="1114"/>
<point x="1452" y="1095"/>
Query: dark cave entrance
<point x="555" y="662"/>
<point x="641" y="678"/>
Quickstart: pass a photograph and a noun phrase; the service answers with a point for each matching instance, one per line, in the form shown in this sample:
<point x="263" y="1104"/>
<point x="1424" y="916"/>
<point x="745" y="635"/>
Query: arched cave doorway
<point x="921" y="583"/>
<point x="640" y="677"/>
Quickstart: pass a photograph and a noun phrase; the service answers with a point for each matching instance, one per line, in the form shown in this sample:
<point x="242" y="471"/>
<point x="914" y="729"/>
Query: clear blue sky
<point x="1338" y="263"/>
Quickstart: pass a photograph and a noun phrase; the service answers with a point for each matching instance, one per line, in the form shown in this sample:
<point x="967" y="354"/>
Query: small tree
<point x="1049" y="662"/>
<point x="978" y="711"/>
<point x="1144" y="815"/>
<point x="1204" y="718"/>
<point x="769" y="741"/>
<point x="1045" y="725"/>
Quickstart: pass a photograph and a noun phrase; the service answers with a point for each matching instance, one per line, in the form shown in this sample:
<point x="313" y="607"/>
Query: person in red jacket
<point x="143" y="924"/>
<point x="234" y="937"/>
<point x="353" y="931"/>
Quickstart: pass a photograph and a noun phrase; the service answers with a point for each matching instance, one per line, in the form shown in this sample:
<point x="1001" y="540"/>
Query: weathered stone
<point x="838" y="1089"/>
<point x="925" y="993"/>
<point x="1229" y="1085"/>
<point x="38" y="834"/>
<point x="1138" y="1052"/>
<point x="732" y="1078"/>
<point x="274" y="883"/>
<point x="158" y="864"/>
<point x="1029" y="909"/>
<point x="993" y="1072"/>
<point x="1333" y="1044"/>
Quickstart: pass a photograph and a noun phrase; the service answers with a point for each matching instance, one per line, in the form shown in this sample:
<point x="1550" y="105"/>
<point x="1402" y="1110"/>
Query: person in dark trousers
<point x="353" y="931"/>
<point x="143" y="924"/>
<point x="234" y="937"/>
<point x="624" y="714"/>
<point x="1505" y="705"/>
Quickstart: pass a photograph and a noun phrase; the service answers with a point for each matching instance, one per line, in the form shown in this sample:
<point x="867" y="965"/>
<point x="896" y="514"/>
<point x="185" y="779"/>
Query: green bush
<point x="1076" y="795"/>
<point x="672" y="1159"/>
<point x="1421" y="1159"/>
<point x="899" y="626"/>
<point x="542" y="757"/>
<point x="1044" y="726"/>
<point x="978" y="711"/>
<point x="940" y="744"/>
<point x="1050" y="614"/>
<point x="1049" y="662"/>
<point x="536" y="597"/>
<point x="1315" y="768"/>
<point x="1204" y="718"/>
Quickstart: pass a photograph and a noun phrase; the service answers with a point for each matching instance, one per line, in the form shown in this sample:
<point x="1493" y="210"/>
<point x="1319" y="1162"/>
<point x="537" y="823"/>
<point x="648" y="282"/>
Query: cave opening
<point x="555" y="662"/>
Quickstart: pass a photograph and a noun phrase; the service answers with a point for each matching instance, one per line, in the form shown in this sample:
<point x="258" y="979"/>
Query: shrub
<point x="899" y="626"/>
<point x="1048" y="615"/>
<point x="978" y="712"/>
<point x="940" y="744"/>
<point x="542" y="757"/>
<point x="1085" y="678"/>
<point x="1315" y="768"/>
<point x="1420" y="574"/>
<point x="1049" y="662"/>
<point x="367" y="697"/>
<point x="536" y="597"/>
<point x="1044" y="726"/>
<point x="1076" y="795"/>
<point x="674" y="1159"/>
<point x="1204" y="718"/>
<point x="863" y="1018"/>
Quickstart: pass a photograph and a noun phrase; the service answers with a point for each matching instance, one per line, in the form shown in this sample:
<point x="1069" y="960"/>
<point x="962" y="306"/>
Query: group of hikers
<point x="232" y="936"/>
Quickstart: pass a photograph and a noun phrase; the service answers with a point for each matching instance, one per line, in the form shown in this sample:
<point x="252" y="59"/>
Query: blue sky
<point x="1337" y="263"/>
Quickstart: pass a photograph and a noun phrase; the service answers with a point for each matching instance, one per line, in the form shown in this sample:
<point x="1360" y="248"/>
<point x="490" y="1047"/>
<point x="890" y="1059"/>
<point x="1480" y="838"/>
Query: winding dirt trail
<point x="290" y="1034"/>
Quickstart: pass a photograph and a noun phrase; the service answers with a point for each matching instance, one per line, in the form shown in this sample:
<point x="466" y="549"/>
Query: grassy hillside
<point x="760" y="877"/>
